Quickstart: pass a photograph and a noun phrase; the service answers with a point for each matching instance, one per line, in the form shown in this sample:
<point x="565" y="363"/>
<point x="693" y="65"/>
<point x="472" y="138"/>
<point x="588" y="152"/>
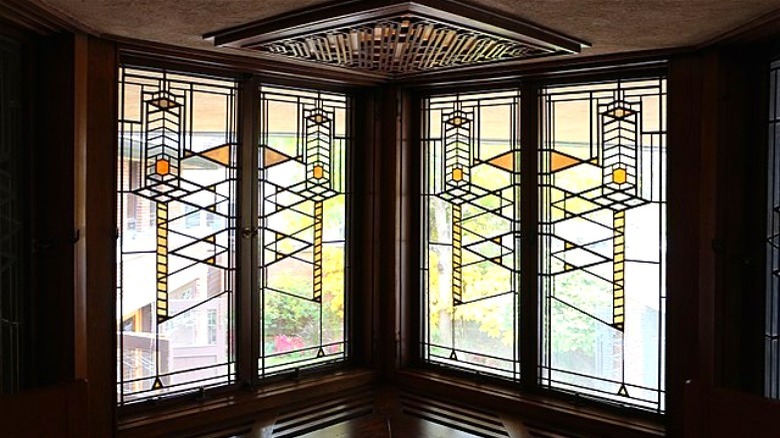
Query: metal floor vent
<point x="321" y="415"/>
<point x="467" y="419"/>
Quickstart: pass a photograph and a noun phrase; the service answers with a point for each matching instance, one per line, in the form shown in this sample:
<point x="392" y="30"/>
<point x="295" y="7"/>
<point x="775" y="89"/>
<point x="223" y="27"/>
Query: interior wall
<point x="710" y="172"/>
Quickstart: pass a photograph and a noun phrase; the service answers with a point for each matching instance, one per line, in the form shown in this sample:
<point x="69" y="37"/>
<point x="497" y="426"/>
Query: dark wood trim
<point x="565" y="67"/>
<point x="412" y="330"/>
<point x="51" y="222"/>
<point x="763" y="27"/>
<point x="389" y="196"/>
<point x="741" y="143"/>
<point x="408" y="251"/>
<point x="99" y="210"/>
<point x="683" y="232"/>
<point x="550" y="413"/>
<point x="80" y="111"/>
<point x="240" y="408"/>
<point x="213" y="62"/>
<point x="364" y="263"/>
<point x="55" y="411"/>
<point x="530" y="137"/>
<point x="38" y="18"/>
<point x="343" y="13"/>
<point x="247" y="301"/>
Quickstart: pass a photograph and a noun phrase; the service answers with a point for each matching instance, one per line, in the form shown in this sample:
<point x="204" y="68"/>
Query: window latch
<point x="42" y="245"/>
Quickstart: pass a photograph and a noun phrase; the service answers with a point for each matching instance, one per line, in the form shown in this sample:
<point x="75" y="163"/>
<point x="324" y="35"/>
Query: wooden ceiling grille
<point x="393" y="39"/>
<point x="402" y="45"/>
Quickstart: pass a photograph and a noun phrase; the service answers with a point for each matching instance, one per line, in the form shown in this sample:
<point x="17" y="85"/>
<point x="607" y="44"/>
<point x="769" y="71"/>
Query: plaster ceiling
<point x="611" y="26"/>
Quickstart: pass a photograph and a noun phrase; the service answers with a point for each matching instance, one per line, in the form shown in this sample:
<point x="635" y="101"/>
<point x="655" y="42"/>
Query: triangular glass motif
<point x="560" y="161"/>
<point x="623" y="391"/>
<point x="273" y="157"/>
<point x="453" y="355"/>
<point x="505" y="161"/>
<point x="320" y="353"/>
<point x="157" y="384"/>
<point x="219" y="154"/>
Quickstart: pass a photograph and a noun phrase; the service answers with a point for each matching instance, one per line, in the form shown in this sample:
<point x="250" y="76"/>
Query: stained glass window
<point x="470" y="231"/>
<point x="772" y="334"/>
<point x="176" y="273"/>
<point x="603" y="241"/>
<point x="302" y="228"/>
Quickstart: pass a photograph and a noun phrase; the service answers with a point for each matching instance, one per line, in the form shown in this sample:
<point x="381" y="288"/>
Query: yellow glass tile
<point x="619" y="176"/>
<point x="457" y="174"/>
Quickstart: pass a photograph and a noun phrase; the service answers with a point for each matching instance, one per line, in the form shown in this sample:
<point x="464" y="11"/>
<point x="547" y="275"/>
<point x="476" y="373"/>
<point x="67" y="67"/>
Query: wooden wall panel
<point x="50" y="172"/>
<point x="97" y="207"/>
<point x="684" y="210"/>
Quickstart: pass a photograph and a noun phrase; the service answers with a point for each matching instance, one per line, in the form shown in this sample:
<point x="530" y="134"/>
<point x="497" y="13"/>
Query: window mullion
<point x="248" y="299"/>
<point x="529" y="297"/>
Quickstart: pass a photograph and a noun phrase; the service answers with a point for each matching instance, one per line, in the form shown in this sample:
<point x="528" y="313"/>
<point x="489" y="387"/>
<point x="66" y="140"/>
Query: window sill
<point x="536" y="410"/>
<point x="240" y="407"/>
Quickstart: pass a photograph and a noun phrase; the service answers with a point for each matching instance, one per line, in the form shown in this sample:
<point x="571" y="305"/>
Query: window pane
<point x="302" y="228"/>
<point x="176" y="273"/>
<point x="772" y="335"/>
<point x="470" y="231"/>
<point x="603" y="241"/>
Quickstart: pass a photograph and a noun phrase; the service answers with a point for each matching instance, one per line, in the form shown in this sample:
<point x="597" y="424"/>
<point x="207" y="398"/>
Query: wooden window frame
<point x="384" y="237"/>
<point x="240" y="402"/>
<point x="537" y="404"/>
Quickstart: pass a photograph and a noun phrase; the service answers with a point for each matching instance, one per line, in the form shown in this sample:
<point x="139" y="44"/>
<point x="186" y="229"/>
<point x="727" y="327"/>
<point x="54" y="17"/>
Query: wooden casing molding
<point x="346" y="12"/>
<point x="345" y="25"/>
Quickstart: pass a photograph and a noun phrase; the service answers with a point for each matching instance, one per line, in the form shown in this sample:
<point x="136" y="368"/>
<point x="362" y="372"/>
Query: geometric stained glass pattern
<point x="302" y="234"/>
<point x="772" y="330"/>
<point x="177" y="221"/>
<point x="471" y="232"/>
<point x="602" y="241"/>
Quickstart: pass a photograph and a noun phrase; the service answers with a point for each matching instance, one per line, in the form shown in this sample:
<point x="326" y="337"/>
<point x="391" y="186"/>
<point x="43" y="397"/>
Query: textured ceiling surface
<point x="611" y="26"/>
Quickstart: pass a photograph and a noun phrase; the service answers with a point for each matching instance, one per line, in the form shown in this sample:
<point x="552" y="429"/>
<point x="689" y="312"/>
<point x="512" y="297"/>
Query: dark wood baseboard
<point x="242" y="407"/>
<point x="535" y="410"/>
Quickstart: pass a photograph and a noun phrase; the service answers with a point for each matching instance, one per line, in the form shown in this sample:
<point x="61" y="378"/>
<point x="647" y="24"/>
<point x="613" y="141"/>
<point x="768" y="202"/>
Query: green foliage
<point x="294" y="317"/>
